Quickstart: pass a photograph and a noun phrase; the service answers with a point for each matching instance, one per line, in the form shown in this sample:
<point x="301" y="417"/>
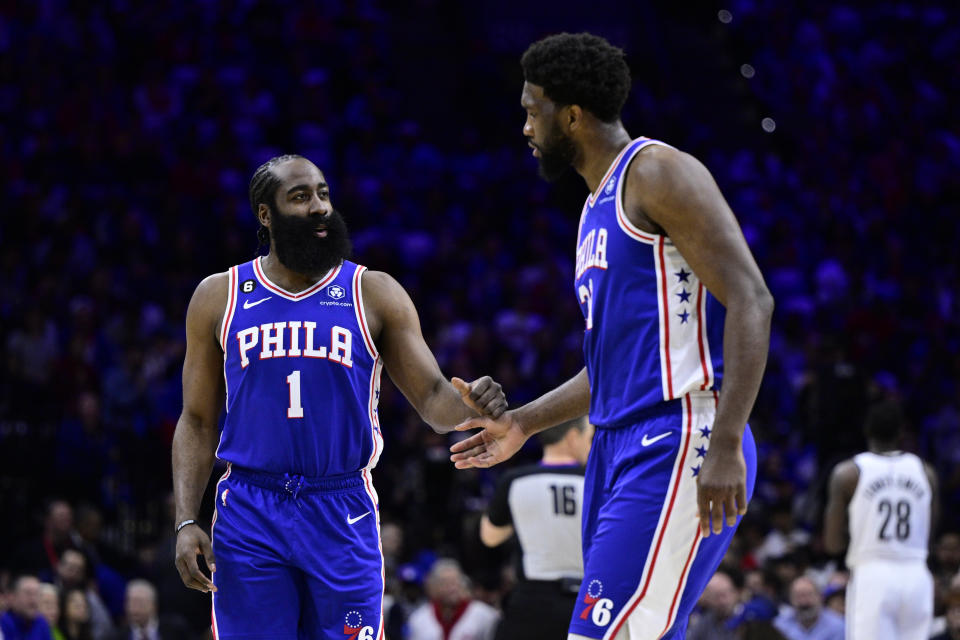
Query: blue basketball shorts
<point x="645" y="561"/>
<point x="297" y="558"/>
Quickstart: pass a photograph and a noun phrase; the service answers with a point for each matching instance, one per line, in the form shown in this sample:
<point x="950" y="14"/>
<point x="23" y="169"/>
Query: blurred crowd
<point x="129" y="132"/>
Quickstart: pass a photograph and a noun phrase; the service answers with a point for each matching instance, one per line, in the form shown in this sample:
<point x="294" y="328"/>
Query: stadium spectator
<point x="75" y="623"/>
<point x="49" y="608"/>
<point x="450" y="613"/>
<point x="717" y="607"/>
<point x="23" y="621"/>
<point x="72" y="574"/>
<point x="807" y="619"/>
<point x="143" y="621"/>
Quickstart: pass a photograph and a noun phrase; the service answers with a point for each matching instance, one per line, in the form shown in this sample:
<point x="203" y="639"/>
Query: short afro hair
<point x="884" y="421"/>
<point x="581" y="69"/>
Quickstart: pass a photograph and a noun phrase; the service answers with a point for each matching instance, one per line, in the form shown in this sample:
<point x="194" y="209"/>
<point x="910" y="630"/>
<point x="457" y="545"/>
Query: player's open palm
<point x="721" y="489"/>
<point x="193" y="542"/>
<point x="496" y="441"/>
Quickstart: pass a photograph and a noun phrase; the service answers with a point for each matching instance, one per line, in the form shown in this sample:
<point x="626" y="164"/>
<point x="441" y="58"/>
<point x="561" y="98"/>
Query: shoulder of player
<point x="379" y="284"/>
<point x="658" y="170"/>
<point x="210" y="298"/>
<point x="382" y="294"/>
<point x="844" y="477"/>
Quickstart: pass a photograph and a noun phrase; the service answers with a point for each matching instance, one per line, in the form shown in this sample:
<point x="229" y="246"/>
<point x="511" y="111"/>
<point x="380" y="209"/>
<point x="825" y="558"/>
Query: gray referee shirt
<point x="544" y="504"/>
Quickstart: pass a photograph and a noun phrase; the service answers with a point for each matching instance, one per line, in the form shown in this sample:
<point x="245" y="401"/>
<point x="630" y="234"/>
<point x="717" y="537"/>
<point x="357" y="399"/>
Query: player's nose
<point x="320" y="206"/>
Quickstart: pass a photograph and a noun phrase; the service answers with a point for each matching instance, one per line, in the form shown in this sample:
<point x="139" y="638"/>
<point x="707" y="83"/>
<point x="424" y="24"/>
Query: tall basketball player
<point x="293" y="344"/>
<point x="674" y="306"/>
<point x="886" y="500"/>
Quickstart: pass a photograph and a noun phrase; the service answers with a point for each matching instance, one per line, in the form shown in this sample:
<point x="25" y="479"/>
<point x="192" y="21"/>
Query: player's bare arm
<point x="843" y="482"/>
<point x="491" y="535"/>
<point x="670" y="192"/>
<point x="934" y="498"/>
<point x="395" y="327"/>
<point x="195" y="439"/>
<point x="499" y="439"/>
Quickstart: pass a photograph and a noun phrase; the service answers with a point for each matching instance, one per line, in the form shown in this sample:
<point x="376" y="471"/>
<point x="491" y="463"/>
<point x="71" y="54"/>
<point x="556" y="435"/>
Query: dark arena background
<point x="129" y="131"/>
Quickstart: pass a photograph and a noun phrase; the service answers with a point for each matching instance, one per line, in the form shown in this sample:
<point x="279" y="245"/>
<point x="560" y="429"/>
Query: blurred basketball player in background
<point x="881" y="509"/>
<point x="674" y="304"/>
<point x="542" y="504"/>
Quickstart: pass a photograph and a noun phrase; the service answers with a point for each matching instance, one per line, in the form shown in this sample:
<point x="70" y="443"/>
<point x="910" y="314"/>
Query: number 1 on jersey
<point x="295" y="410"/>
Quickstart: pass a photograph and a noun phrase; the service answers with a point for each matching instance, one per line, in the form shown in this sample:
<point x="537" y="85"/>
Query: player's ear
<point x="574" y="117"/>
<point x="263" y="214"/>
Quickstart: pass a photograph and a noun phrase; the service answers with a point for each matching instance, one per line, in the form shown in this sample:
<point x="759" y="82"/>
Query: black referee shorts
<point x="538" y="609"/>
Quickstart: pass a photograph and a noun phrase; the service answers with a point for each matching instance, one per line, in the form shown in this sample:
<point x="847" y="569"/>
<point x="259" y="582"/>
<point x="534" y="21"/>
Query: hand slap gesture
<point x="496" y="441"/>
<point x="483" y="395"/>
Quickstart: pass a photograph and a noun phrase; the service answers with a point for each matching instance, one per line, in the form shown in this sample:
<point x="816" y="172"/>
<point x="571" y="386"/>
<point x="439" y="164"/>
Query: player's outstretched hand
<point x="193" y="542"/>
<point x="496" y="441"/>
<point x="721" y="489"/>
<point x="483" y="395"/>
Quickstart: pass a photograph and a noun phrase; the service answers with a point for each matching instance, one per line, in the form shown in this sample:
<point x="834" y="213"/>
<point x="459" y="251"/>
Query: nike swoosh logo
<point x="352" y="520"/>
<point x="649" y="441"/>
<point x="247" y="304"/>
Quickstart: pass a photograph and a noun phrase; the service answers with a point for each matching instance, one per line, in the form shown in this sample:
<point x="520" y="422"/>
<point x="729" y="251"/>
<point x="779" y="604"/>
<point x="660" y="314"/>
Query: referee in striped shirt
<point x="541" y="503"/>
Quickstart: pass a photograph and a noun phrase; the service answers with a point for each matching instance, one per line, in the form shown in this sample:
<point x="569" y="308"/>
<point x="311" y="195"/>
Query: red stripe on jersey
<point x="231" y="306"/>
<point x="286" y="294"/>
<point x="702" y="326"/>
<point x="361" y="316"/>
<point x="593" y="198"/>
<point x="629" y="227"/>
<point x="666" y="319"/>
<point x="683" y="579"/>
<point x="663" y="529"/>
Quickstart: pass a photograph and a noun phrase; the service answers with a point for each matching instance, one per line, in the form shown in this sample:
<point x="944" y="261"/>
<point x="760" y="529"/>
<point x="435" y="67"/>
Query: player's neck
<point x="599" y="150"/>
<point x="286" y="278"/>
<point x="883" y="448"/>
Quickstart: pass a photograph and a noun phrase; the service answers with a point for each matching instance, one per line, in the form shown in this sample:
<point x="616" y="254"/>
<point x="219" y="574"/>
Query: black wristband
<point x="185" y="523"/>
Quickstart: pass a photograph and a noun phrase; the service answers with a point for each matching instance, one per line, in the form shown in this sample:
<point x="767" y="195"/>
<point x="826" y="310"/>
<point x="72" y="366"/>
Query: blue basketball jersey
<point x="653" y="331"/>
<point x="302" y="376"/>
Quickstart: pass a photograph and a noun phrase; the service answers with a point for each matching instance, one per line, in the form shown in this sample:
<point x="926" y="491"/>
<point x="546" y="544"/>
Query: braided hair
<point x="263" y="187"/>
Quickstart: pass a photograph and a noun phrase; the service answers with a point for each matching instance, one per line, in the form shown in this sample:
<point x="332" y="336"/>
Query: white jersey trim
<point x="228" y="313"/>
<point x="366" y="473"/>
<point x="283" y="293"/>
<point x="675" y="541"/>
<point x="623" y="222"/>
<point x="361" y="312"/>
<point x="592" y="198"/>
<point x="232" y="277"/>
<point x="685" y="360"/>
<point x="213" y="596"/>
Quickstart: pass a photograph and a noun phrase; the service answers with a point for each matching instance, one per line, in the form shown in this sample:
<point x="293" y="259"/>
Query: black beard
<point x="556" y="155"/>
<point x="300" y="250"/>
